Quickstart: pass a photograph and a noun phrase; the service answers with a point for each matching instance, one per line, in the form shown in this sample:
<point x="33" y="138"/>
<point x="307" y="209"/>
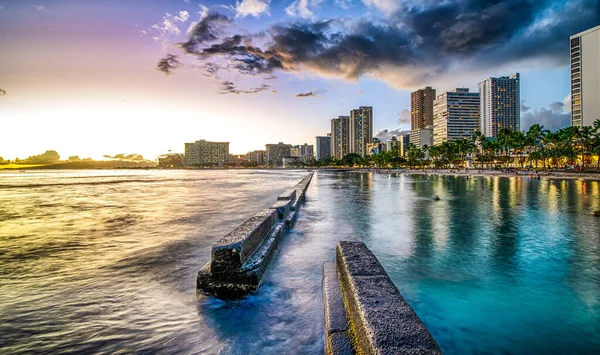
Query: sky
<point x="104" y="77"/>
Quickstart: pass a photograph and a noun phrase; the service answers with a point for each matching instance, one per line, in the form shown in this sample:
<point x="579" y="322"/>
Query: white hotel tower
<point x="585" y="77"/>
<point x="500" y="104"/>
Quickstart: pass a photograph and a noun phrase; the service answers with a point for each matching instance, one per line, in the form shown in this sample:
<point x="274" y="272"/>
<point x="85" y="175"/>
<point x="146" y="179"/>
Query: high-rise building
<point x="323" y="147"/>
<point x="421" y="111"/>
<point x="585" y="77"/>
<point x="203" y="152"/>
<point x="340" y="135"/>
<point x="361" y="130"/>
<point x="276" y="153"/>
<point x="455" y="115"/>
<point x="257" y="156"/>
<point x="500" y="104"/>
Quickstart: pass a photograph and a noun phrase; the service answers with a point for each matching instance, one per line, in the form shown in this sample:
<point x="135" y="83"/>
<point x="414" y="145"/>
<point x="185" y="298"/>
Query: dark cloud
<point x="208" y="29"/>
<point x="228" y="87"/>
<point x="306" y="94"/>
<point x="553" y="117"/>
<point x="388" y="134"/>
<point x="168" y="63"/>
<point x="418" y="43"/>
<point x="2" y="92"/>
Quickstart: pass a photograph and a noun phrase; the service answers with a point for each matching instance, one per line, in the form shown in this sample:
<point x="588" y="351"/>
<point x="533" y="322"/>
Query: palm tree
<point x="477" y="142"/>
<point x="586" y="142"/>
<point x="537" y="133"/>
<point x="505" y="138"/>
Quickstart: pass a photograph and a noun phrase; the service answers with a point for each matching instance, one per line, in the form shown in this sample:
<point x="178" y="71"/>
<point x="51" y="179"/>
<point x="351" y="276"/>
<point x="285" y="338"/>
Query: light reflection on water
<point x="106" y="262"/>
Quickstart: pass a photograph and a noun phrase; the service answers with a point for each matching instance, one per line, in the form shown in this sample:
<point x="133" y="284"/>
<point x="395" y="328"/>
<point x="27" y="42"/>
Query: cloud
<point x="404" y="117"/>
<point x="169" y="23"/>
<point x="314" y="93"/>
<point x="386" y="6"/>
<point x="306" y="94"/>
<point x="228" y="87"/>
<point x="2" y="92"/>
<point x="385" y="134"/>
<point x="552" y="117"/>
<point x="415" y="44"/>
<point x="251" y="8"/>
<point x="41" y="8"/>
<point x="1" y="7"/>
<point x="344" y="4"/>
<point x="168" y="63"/>
<point x="302" y="8"/>
<point x="567" y="103"/>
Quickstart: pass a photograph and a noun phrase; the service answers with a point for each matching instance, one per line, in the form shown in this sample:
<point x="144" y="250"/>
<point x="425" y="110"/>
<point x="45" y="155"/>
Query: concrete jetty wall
<point x="240" y="259"/>
<point x="364" y="312"/>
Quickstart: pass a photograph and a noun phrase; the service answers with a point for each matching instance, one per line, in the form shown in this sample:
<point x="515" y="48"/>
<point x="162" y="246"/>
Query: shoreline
<point x="484" y="173"/>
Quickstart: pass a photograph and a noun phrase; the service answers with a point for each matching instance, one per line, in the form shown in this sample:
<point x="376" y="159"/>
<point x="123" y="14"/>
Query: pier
<point x="364" y="312"/>
<point x="240" y="259"/>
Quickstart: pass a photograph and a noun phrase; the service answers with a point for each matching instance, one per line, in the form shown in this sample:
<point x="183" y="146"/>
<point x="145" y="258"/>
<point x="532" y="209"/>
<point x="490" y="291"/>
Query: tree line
<point x="535" y="148"/>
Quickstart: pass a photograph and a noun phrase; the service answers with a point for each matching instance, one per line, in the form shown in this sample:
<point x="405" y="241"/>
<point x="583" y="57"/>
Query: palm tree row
<point x="565" y="147"/>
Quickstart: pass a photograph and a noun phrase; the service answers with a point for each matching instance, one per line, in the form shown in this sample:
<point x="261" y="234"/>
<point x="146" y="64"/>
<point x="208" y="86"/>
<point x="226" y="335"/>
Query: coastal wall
<point x="364" y="312"/>
<point x="240" y="259"/>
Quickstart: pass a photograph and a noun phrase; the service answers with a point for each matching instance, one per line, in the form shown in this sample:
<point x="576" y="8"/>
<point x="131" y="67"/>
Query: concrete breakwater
<point x="240" y="259"/>
<point x="364" y="312"/>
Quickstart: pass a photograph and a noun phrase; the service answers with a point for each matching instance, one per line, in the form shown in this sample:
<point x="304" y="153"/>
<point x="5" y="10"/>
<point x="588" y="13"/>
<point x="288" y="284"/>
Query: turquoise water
<point x="105" y="262"/>
<point x="498" y="265"/>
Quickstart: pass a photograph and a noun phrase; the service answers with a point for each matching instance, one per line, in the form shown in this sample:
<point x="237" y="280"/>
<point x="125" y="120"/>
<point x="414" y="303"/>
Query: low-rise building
<point x="276" y="153"/>
<point x="257" y="156"/>
<point x="203" y="152"/>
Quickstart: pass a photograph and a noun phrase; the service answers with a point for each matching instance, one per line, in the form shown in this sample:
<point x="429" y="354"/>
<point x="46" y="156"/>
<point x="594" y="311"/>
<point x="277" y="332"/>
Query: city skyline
<point x="98" y="90"/>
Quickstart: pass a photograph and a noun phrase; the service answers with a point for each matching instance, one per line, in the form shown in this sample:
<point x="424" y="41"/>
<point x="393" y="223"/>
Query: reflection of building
<point x="455" y="115"/>
<point x="206" y="153"/>
<point x="585" y="77"/>
<point x="276" y="153"/>
<point x="421" y="112"/>
<point x="257" y="156"/>
<point x="339" y="136"/>
<point x="323" y="147"/>
<point x="171" y="160"/>
<point x="500" y="104"/>
<point x="361" y="130"/>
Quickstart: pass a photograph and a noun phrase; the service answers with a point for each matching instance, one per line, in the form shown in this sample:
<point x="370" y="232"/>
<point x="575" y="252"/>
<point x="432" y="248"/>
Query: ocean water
<point x="105" y="261"/>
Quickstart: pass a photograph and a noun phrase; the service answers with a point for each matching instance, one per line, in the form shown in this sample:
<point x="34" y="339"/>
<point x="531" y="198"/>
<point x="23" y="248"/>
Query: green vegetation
<point x="536" y="148"/>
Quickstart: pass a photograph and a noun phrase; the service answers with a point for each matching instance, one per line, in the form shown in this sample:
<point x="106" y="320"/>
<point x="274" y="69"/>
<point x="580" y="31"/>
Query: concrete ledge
<point x="241" y="258"/>
<point x="229" y="254"/>
<point x="380" y="320"/>
<point x="287" y="195"/>
<point x="282" y="207"/>
<point x="337" y="339"/>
